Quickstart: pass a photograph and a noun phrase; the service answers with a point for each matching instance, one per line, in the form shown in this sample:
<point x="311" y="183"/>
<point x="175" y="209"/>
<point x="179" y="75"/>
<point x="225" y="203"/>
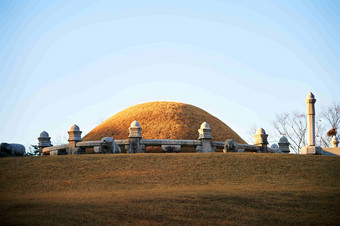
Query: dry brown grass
<point x="154" y="189"/>
<point x="163" y="120"/>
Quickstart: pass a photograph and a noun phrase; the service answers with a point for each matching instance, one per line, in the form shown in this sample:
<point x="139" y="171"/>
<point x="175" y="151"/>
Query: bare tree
<point x="250" y="134"/>
<point x="294" y="127"/>
<point x="332" y="115"/>
<point x="331" y="118"/>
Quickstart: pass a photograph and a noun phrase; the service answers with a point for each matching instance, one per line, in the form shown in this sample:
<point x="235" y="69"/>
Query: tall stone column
<point x="310" y="148"/>
<point x="310" y="102"/>
<point x="44" y="141"/>
<point x="135" y="135"/>
<point x="74" y="138"/>
<point x="205" y="137"/>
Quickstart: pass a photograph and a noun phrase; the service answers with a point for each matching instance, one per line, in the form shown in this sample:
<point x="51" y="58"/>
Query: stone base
<point x="311" y="150"/>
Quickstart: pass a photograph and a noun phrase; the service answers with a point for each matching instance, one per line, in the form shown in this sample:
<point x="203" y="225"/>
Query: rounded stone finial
<point x="135" y="124"/>
<point x="310" y="95"/>
<point x="205" y="125"/>
<point x="74" y="128"/>
<point x="260" y="131"/>
<point x="274" y="147"/>
<point x="43" y="134"/>
<point x="283" y="140"/>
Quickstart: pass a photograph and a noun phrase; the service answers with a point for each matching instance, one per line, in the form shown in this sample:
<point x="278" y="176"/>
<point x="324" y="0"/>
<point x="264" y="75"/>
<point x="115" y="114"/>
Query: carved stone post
<point x="135" y="135"/>
<point x="205" y="137"/>
<point x="261" y="139"/>
<point x="334" y="141"/>
<point x="311" y="149"/>
<point x="44" y="141"/>
<point x="284" y="145"/>
<point x="74" y="137"/>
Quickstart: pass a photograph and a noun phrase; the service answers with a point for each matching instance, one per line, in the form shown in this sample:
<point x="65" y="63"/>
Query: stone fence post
<point x="44" y="141"/>
<point x="135" y="135"/>
<point x="205" y="137"/>
<point x="284" y="145"/>
<point x="261" y="139"/>
<point x="74" y="138"/>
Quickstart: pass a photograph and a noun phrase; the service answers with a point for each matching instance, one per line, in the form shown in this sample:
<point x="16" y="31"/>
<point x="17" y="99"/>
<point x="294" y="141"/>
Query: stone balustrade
<point x="136" y="143"/>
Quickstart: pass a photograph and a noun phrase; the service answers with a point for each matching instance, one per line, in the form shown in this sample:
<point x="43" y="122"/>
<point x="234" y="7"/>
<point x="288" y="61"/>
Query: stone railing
<point x="135" y="143"/>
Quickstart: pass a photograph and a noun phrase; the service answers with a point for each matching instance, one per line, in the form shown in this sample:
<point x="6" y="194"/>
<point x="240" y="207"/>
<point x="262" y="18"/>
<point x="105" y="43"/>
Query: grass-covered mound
<point x="190" y="189"/>
<point x="163" y="120"/>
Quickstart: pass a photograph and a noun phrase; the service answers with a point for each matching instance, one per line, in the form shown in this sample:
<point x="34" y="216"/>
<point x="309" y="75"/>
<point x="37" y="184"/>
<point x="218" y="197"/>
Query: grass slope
<point x="154" y="189"/>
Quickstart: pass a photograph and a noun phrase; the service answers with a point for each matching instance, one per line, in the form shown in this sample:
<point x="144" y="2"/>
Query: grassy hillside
<point x="157" y="189"/>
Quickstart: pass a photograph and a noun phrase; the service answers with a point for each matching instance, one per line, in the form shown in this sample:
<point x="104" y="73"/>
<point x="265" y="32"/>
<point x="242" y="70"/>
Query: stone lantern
<point x="44" y="141"/>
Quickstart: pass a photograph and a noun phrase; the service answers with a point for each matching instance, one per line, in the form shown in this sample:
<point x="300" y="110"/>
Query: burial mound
<point x="163" y="120"/>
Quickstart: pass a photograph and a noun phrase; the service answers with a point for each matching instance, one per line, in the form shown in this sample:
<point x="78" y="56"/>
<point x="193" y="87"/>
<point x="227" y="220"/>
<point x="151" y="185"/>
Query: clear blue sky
<point x="66" y="62"/>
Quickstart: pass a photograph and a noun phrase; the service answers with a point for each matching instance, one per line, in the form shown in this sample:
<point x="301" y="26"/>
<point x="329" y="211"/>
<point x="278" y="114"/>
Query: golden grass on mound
<point x="191" y="189"/>
<point x="163" y="120"/>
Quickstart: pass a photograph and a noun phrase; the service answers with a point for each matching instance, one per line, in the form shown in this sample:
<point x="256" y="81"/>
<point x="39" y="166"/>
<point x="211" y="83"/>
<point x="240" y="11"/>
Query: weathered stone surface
<point x="44" y="141"/>
<point x="310" y="102"/>
<point x="55" y="152"/>
<point x="260" y="137"/>
<point x="171" y="148"/>
<point x="154" y="142"/>
<point x="135" y="135"/>
<point x="12" y="149"/>
<point x="311" y="150"/>
<point x="284" y="145"/>
<point x="205" y="138"/>
<point x="232" y="146"/>
<point x="74" y="138"/>
<point x="135" y="130"/>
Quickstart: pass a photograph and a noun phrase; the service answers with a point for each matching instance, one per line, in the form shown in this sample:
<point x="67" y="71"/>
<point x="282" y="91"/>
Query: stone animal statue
<point x="230" y="145"/>
<point x="109" y="146"/>
<point x="12" y="149"/>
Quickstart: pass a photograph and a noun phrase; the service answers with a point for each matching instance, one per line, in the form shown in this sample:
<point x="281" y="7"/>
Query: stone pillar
<point x="310" y="149"/>
<point x="135" y="135"/>
<point x="261" y="139"/>
<point x="310" y="102"/>
<point x="74" y="137"/>
<point x="205" y="137"/>
<point x="284" y="145"/>
<point x="44" y="141"/>
<point x="334" y="141"/>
